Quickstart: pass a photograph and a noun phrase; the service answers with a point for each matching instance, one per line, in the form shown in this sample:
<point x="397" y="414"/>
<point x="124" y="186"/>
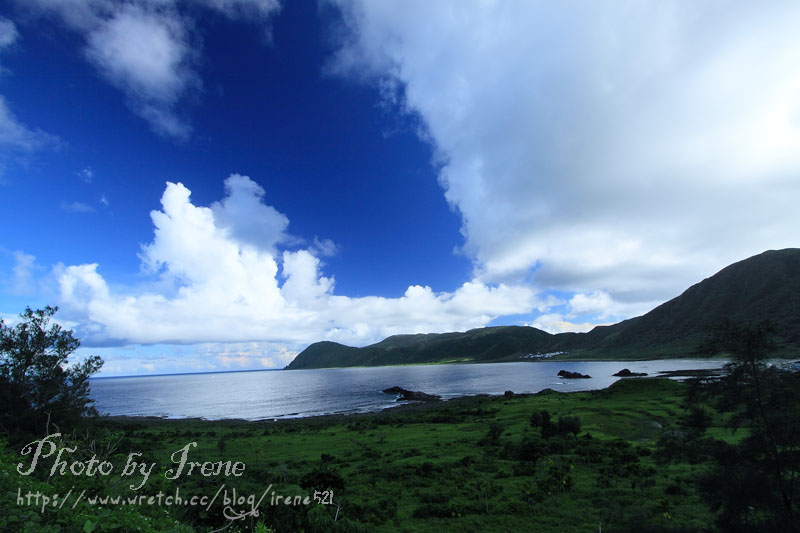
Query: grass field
<point x="470" y="464"/>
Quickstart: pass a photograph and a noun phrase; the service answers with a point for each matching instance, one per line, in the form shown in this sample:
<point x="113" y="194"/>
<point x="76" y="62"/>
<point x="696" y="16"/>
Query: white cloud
<point x="584" y="311"/>
<point x="23" y="279"/>
<point x="86" y="174"/>
<point x="8" y="33"/>
<point x="557" y="323"/>
<point x="146" y="54"/>
<point x="626" y="148"/>
<point x="304" y="286"/>
<point x="217" y="286"/>
<point x="601" y="305"/>
<point x="147" y="48"/>
<point x="79" y="14"/>
<point x="245" y="9"/>
<point x="77" y="207"/>
<point x="324" y="247"/>
<point x="160" y="358"/>
<point x="246" y="355"/>
<point x="243" y="214"/>
<point x="596" y="302"/>
<point x="14" y="135"/>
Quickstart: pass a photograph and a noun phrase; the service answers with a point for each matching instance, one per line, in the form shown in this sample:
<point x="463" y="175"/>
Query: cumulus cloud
<point x="244" y="215"/>
<point x="147" y="49"/>
<point x="600" y="305"/>
<point x="247" y="354"/>
<point x="220" y="281"/>
<point x="623" y="150"/>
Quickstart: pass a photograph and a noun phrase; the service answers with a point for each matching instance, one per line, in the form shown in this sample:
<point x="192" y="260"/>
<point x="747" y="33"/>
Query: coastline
<point x="398" y="406"/>
<point x="521" y="359"/>
<point x="475" y="462"/>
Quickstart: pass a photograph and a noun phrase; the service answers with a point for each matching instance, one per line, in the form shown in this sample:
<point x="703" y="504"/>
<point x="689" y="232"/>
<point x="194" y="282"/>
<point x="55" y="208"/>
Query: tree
<point x="754" y="484"/>
<point x="38" y="385"/>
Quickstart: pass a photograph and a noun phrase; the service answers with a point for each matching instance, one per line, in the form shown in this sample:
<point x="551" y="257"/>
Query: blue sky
<point x="217" y="184"/>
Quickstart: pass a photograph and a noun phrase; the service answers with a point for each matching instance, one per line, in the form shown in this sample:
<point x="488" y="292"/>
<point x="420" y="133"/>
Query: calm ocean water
<point x="295" y="393"/>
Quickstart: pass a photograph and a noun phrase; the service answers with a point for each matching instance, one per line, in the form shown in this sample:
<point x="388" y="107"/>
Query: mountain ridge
<point x="763" y="287"/>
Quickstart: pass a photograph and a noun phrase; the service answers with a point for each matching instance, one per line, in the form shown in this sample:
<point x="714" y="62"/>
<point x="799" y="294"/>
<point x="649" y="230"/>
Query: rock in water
<point x="411" y="396"/>
<point x="625" y="373"/>
<point x="566" y="374"/>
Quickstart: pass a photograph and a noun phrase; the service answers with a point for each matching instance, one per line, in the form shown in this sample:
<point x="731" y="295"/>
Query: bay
<point x="258" y="395"/>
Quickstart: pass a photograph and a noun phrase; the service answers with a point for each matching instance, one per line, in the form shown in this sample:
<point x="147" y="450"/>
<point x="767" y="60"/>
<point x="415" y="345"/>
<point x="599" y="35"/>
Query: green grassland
<point x="469" y="464"/>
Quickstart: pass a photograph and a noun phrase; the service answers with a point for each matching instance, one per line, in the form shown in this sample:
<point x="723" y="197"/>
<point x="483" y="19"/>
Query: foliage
<point x="468" y="464"/>
<point x="566" y="425"/>
<point x="323" y="478"/>
<point x="473" y="463"/>
<point x="750" y="479"/>
<point x="38" y="386"/>
<point x="755" y="480"/>
<point x="18" y="513"/>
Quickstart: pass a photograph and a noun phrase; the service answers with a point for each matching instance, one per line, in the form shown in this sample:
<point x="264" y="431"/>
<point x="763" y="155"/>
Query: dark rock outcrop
<point x="411" y="396"/>
<point x="566" y="374"/>
<point x="625" y="373"/>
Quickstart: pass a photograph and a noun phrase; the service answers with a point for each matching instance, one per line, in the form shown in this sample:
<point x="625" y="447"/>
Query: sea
<point x="276" y="394"/>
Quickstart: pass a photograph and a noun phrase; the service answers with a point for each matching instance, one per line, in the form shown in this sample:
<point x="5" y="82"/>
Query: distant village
<point x="542" y="355"/>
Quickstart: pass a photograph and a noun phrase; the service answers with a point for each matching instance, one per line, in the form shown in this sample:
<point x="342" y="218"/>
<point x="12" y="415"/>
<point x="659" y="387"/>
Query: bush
<point x="323" y="478"/>
<point x="569" y="424"/>
<point x="565" y="425"/>
<point x="531" y="449"/>
<point x="492" y="436"/>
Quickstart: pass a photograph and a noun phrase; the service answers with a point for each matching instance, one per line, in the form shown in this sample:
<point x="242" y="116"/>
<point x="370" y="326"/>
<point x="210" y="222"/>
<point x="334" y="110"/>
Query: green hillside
<point x="763" y="287"/>
<point x="766" y="286"/>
